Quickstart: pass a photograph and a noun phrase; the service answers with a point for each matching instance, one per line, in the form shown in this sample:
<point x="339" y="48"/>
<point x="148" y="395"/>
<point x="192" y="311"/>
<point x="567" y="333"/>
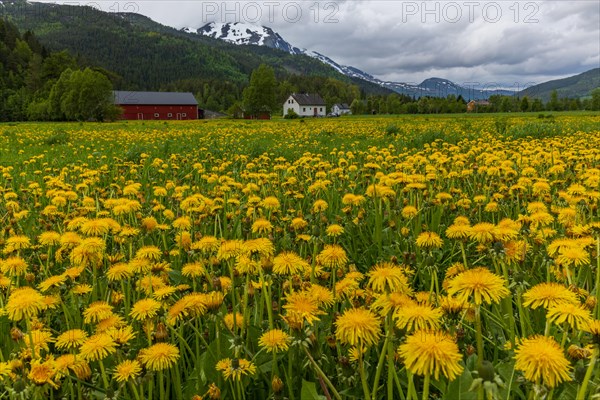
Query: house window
<point x="156" y="115"/>
<point x="304" y="109"/>
<point x="170" y="115"/>
<point x="184" y="115"/>
<point x="321" y="109"/>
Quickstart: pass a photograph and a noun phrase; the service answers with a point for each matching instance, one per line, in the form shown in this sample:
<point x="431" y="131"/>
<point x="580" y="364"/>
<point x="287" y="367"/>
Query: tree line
<point x="36" y="84"/>
<point x="266" y="93"/>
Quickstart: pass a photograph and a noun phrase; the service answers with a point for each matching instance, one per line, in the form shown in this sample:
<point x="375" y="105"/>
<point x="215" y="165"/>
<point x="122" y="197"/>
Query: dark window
<point x="170" y="115"/>
<point x="304" y="109"/>
<point x="184" y="115"/>
<point x="156" y="115"/>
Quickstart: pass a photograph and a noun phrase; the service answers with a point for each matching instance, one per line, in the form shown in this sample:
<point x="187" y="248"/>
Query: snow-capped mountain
<point x="241" y="33"/>
<point x="246" y="34"/>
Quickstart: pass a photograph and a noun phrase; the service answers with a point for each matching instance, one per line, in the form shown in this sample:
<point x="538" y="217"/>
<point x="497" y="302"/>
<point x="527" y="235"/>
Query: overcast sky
<point x="511" y="43"/>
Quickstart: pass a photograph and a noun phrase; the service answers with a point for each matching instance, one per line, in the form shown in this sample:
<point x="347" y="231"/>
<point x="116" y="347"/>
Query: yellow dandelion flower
<point x="159" y="356"/>
<point x="542" y="359"/>
<point x="71" y="339"/>
<point x="97" y="311"/>
<point x="302" y="306"/>
<point x="53" y="281"/>
<point x="387" y="277"/>
<point x="127" y="370"/>
<point x="429" y="240"/>
<point x="289" y="263"/>
<point x="460" y="232"/>
<point x="431" y="353"/>
<point x="119" y="272"/>
<point x="274" y="340"/>
<point x="409" y="212"/>
<point x="547" y="295"/>
<point x="261" y="226"/>
<point x="228" y="320"/>
<point x="334" y="230"/>
<point x="193" y="270"/>
<point x="322" y="295"/>
<point x="261" y="246"/>
<point x="572" y="313"/>
<point x="482" y="232"/>
<point x="24" y="302"/>
<point x="358" y="326"/>
<point x="479" y="284"/>
<point x="573" y="256"/>
<point x="417" y="316"/>
<point x="333" y="256"/>
<point x="97" y="347"/>
<point x="145" y="309"/>
<point x="41" y="373"/>
<point x="13" y="266"/>
<point x="235" y="368"/>
<point x="49" y="238"/>
<point x="151" y="253"/>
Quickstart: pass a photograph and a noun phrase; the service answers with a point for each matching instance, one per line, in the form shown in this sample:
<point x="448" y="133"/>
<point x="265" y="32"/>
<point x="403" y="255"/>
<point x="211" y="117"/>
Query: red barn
<point x="157" y="105"/>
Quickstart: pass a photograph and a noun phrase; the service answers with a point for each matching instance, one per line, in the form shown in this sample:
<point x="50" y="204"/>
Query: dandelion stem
<point x="380" y="367"/>
<point x="479" y="336"/>
<point x="361" y="370"/>
<point x="322" y="375"/>
<point x="588" y="375"/>
<point x="161" y="385"/>
<point x="426" y="387"/>
<point x="103" y="372"/>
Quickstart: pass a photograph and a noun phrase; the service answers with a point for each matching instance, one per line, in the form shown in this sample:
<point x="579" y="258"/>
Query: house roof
<point x="151" y="98"/>
<point x="342" y="106"/>
<point x="308" y="99"/>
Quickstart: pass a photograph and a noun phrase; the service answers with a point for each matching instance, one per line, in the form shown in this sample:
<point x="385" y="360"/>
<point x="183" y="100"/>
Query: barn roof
<point x="154" y="98"/>
<point x="308" y="99"/>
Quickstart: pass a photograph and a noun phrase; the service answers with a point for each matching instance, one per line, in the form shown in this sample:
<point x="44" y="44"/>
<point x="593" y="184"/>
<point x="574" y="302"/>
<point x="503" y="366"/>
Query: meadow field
<point x="416" y="257"/>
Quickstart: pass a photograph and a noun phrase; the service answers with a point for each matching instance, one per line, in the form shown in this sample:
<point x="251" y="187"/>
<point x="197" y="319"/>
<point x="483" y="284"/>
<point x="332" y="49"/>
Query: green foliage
<point x="596" y="99"/>
<point x="291" y="114"/>
<point x="57" y="138"/>
<point x="38" y="85"/>
<point x="259" y="96"/>
<point x="392" y="130"/>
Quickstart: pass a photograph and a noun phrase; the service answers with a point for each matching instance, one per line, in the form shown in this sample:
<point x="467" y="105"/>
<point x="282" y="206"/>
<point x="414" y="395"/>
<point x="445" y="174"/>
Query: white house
<point x="341" y="109"/>
<point x="305" y="105"/>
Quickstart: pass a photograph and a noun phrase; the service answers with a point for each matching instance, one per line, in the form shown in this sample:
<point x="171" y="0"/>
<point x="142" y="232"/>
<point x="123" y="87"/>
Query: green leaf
<point x="458" y="389"/>
<point x="309" y="391"/>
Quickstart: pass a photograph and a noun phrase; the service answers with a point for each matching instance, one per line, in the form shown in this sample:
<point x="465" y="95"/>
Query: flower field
<point x="348" y="258"/>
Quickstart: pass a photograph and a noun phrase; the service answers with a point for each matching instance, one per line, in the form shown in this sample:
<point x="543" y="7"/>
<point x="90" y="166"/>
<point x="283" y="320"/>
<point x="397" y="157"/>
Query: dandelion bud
<point x="16" y="334"/>
<point x="29" y="277"/>
<point x="590" y="302"/>
<point x="470" y="350"/>
<point x="214" y="393"/>
<point x="331" y="342"/>
<point x="276" y="384"/>
<point x="578" y="353"/>
<point x="161" y="334"/>
<point x="19" y="386"/>
<point x="216" y="283"/>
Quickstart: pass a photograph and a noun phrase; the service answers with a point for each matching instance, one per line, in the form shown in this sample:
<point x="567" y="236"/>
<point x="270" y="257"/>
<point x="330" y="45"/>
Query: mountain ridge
<point x="249" y="34"/>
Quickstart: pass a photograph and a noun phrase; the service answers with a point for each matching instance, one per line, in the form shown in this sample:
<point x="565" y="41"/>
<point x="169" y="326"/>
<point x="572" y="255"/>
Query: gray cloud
<point x="465" y="41"/>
